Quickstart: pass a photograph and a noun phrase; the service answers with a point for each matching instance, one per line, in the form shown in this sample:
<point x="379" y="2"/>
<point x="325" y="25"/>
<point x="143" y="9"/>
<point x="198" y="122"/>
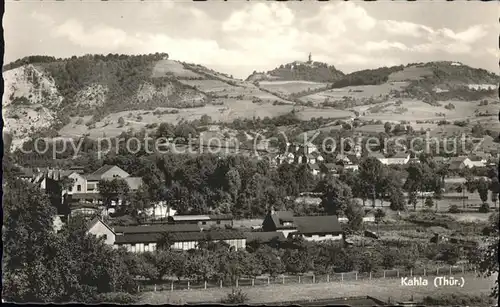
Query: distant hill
<point x="304" y="71"/>
<point x="42" y="91"/>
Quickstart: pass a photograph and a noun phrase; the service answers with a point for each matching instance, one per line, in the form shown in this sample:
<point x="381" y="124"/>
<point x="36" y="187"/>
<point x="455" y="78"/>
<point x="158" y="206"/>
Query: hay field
<point x="291" y="87"/>
<point x="410" y="73"/>
<point x="168" y="67"/>
<point x="356" y="92"/>
<point x="380" y="288"/>
<point x="412" y="110"/>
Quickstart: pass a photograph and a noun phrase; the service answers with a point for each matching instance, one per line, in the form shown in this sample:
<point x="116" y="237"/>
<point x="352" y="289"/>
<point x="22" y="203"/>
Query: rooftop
<point x="318" y="224"/>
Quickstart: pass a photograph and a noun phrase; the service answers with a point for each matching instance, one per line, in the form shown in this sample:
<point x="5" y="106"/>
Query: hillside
<point x="429" y="82"/>
<point x="303" y="71"/>
<point x="44" y="92"/>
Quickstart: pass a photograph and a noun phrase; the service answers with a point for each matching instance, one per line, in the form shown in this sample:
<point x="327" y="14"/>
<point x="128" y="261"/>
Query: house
<point x="313" y="168"/>
<point x="458" y="163"/>
<point x="271" y="238"/>
<point x="330" y="168"/>
<point x="100" y="229"/>
<point x="399" y="158"/>
<point x="476" y="161"/>
<point x="318" y="228"/>
<point x="440" y="160"/>
<point x="85" y="186"/>
<point x="379" y="156"/>
<point x="144" y="242"/>
<point x="280" y="221"/>
<point x="285" y="158"/>
<point x="204" y="221"/>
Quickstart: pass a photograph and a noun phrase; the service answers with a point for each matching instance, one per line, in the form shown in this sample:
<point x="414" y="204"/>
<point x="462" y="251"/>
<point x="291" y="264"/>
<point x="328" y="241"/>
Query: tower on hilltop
<point x="310" y="58"/>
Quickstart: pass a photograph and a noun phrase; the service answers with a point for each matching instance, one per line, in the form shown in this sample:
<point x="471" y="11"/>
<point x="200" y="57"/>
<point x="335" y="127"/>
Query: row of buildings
<point x="190" y="231"/>
<point x="309" y="154"/>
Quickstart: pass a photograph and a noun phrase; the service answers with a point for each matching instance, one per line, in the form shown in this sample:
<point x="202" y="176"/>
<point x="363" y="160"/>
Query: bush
<point x="455" y="299"/>
<point x="454" y="209"/>
<point x="79" y="121"/>
<point x="235" y="297"/>
<point x="484" y="208"/>
<point x="116" y="297"/>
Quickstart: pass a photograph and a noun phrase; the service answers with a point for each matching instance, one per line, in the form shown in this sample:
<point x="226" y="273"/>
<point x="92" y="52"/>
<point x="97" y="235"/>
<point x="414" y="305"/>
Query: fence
<point x="174" y="285"/>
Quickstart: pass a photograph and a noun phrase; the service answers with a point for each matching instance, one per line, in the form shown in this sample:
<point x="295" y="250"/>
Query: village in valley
<point x="144" y="178"/>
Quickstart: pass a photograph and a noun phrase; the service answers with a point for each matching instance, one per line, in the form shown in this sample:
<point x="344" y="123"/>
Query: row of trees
<point x="40" y="265"/>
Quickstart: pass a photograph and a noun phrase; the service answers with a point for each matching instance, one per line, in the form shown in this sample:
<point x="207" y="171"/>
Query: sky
<point x="238" y="37"/>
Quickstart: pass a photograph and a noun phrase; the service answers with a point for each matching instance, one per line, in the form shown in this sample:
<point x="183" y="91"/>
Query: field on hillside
<point x="172" y="68"/>
<point x="412" y="110"/>
<point x="410" y="74"/>
<point x="356" y="92"/>
<point x="291" y="87"/>
<point x="379" y="288"/>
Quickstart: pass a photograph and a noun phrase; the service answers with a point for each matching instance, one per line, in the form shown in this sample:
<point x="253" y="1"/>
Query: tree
<point x="397" y="199"/>
<point x="482" y="189"/>
<point x="429" y="203"/>
<point x="121" y="122"/>
<point x="336" y="195"/>
<point x="43" y="266"/>
<point x="114" y="189"/>
<point x="387" y="127"/>
<point x="354" y="213"/>
<point x="370" y="171"/>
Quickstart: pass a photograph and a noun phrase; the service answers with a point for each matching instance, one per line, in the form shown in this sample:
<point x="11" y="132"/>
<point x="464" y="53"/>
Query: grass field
<point x="168" y="67"/>
<point x="356" y="92"/>
<point x="380" y="288"/>
<point x="291" y="87"/>
<point x="410" y="73"/>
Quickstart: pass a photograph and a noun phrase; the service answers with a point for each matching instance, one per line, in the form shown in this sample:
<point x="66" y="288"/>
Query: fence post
<point x="384" y="273"/>
<point x="299" y="279"/>
<point x="268" y="280"/>
<point x="398" y="273"/>
<point x="450" y="269"/>
<point x="314" y="279"/>
<point x="172" y="286"/>
<point x="424" y="272"/>
<point x="356" y="275"/>
<point x="155" y="287"/>
<point x="342" y="276"/>
<point x="411" y="272"/>
<point x="463" y="269"/>
<point x="138" y="288"/>
<point x="253" y="282"/>
<point x="437" y="271"/>
<point x="221" y="283"/>
<point x="370" y="275"/>
<point x="283" y="280"/>
<point x="327" y="277"/>
<point x="237" y="282"/>
<point x="205" y="285"/>
<point x="188" y="284"/>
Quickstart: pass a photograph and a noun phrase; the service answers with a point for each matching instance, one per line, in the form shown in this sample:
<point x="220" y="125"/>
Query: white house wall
<point x="99" y="229"/>
<point x="318" y="238"/>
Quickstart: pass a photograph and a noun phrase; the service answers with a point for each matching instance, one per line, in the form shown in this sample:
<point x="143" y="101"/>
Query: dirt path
<point x="382" y="289"/>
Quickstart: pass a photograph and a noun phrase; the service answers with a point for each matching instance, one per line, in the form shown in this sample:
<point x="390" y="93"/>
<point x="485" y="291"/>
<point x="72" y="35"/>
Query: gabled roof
<point x="318" y="224"/>
<point x="265" y="236"/>
<point x="458" y="159"/>
<point x="97" y="175"/>
<point x="281" y="217"/>
<point x="180" y="237"/>
<point x="98" y="220"/>
<point x="401" y="155"/>
<point x="220" y="217"/>
<point x="178" y="218"/>
<point x="157" y="228"/>
<point x="313" y="166"/>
